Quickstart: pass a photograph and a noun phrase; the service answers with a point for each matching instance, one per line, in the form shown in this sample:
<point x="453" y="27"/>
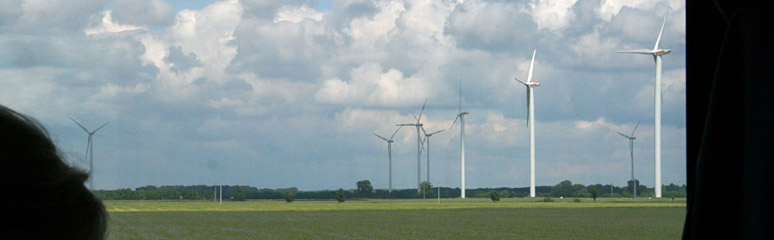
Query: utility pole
<point x="439" y="194"/>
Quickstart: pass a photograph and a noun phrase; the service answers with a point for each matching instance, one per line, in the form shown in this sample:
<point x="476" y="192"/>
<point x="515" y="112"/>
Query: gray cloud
<point x="273" y="90"/>
<point x="181" y="62"/>
<point x="55" y="17"/>
<point x="10" y="11"/>
<point x="491" y="26"/>
<point x="143" y="12"/>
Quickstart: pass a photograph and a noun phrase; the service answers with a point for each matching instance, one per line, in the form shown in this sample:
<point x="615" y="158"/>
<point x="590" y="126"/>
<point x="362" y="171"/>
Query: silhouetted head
<point x="43" y="197"/>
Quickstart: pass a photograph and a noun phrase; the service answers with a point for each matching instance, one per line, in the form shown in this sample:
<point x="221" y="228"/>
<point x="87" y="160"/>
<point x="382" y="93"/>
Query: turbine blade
<point x="666" y="90"/>
<point x="455" y="121"/>
<point x="100" y="127"/>
<point x="422" y="144"/>
<point x="525" y="84"/>
<point x="421" y="111"/>
<point x="437" y="132"/>
<point x="660" y="33"/>
<point x="529" y="76"/>
<point x="377" y="135"/>
<point x="640" y="51"/>
<point x="396" y="132"/>
<point x="623" y="135"/>
<point x="415" y="117"/>
<point x="76" y="122"/>
<point x="423" y="130"/>
<point x="635" y="128"/>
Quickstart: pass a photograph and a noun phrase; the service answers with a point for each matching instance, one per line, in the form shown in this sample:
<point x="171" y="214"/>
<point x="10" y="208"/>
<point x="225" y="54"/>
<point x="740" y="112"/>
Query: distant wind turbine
<point x="427" y="142"/>
<point x="90" y="151"/>
<point x="418" y="124"/>
<point x="657" y="53"/>
<point x="389" y="152"/>
<point x="461" y="117"/>
<point x="531" y="123"/>
<point x="631" y="153"/>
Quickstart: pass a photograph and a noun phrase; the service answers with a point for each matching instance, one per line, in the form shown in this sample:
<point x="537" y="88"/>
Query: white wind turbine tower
<point x="461" y="117"/>
<point x="531" y="123"/>
<point x="427" y="140"/>
<point x="656" y="52"/>
<point x="389" y="152"/>
<point x="419" y="142"/>
<point x="631" y="153"/>
<point x="90" y="151"/>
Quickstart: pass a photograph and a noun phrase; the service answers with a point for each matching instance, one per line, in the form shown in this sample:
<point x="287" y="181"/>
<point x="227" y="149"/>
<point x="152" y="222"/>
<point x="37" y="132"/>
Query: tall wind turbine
<point x="427" y="141"/>
<point x="389" y="152"/>
<point x="531" y="124"/>
<point x="631" y="153"/>
<point x="90" y="151"/>
<point x="461" y="117"/>
<point x="656" y="52"/>
<point x="419" y="142"/>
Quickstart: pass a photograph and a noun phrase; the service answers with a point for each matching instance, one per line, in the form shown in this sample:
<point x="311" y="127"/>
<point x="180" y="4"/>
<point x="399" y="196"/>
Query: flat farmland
<point x="398" y="219"/>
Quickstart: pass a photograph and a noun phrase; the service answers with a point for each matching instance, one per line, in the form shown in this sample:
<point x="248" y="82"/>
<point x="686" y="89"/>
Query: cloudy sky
<point x="287" y="93"/>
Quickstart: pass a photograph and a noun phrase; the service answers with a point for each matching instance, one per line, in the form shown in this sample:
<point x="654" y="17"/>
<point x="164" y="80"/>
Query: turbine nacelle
<point x="662" y="52"/>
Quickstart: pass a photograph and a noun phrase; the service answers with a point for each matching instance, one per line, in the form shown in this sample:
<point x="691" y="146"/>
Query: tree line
<point x="364" y="190"/>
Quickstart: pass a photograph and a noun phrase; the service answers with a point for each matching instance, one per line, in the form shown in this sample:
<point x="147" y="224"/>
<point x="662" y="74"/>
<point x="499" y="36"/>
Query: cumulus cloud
<point x="247" y="92"/>
<point x="490" y="25"/>
<point x="180" y="61"/>
<point x="105" y="24"/>
<point x="369" y="84"/>
<point x="143" y="12"/>
<point x="552" y="15"/>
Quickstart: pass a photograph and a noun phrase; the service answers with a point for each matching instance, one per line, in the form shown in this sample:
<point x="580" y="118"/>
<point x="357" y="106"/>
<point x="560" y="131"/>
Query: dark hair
<point x="43" y="197"/>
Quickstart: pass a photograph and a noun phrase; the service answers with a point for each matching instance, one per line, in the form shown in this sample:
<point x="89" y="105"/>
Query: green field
<point x="398" y="219"/>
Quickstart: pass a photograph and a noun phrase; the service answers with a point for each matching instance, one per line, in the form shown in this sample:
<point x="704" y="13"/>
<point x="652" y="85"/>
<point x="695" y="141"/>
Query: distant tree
<point x="630" y="187"/>
<point x="594" y="192"/>
<point x="237" y="194"/>
<point x="505" y="194"/>
<point x="578" y="190"/>
<point x="495" y="196"/>
<point x="209" y="194"/>
<point x="563" y="189"/>
<point x="425" y="188"/>
<point x="289" y="197"/>
<point x="339" y="195"/>
<point x="364" y="188"/>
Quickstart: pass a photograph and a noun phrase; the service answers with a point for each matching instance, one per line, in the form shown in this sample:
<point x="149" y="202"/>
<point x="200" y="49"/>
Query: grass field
<point x="398" y="219"/>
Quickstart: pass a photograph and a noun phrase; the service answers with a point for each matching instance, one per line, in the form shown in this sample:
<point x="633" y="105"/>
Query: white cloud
<point x="370" y="85"/>
<point x="244" y="84"/>
<point x="106" y="25"/>
<point x="552" y="15"/>
<point x="297" y="14"/>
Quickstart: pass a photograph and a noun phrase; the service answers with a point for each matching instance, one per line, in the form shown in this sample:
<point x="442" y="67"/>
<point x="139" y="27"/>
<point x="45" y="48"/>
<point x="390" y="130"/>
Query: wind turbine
<point x="90" y="151"/>
<point x="461" y="117"/>
<point x="657" y="53"/>
<point x="531" y="124"/>
<point x="419" y="142"/>
<point x="427" y="140"/>
<point x="389" y="152"/>
<point x="631" y="153"/>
